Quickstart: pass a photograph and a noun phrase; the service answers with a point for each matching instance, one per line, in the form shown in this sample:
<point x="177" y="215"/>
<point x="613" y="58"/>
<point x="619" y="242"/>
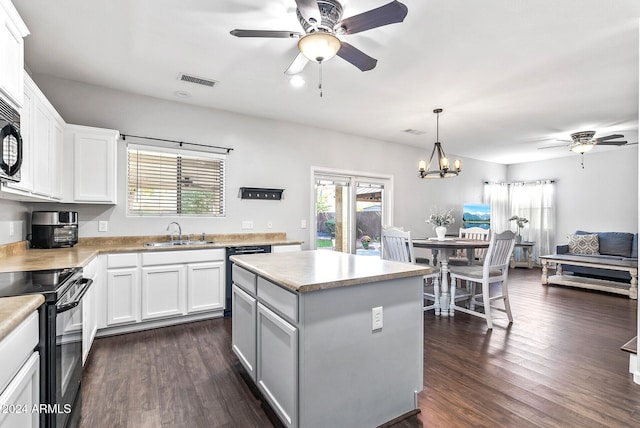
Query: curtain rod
<point x="522" y="182"/>
<point x="181" y="143"/>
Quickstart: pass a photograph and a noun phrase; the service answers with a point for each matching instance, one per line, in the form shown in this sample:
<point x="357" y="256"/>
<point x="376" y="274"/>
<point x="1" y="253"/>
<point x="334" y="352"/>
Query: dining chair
<point x="461" y="256"/>
<point x="398" y="246"/>
<point x="495" y="269"/>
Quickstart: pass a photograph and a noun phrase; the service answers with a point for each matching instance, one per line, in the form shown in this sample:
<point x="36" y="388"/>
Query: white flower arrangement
<point x="520" y="221"/>
<point x="441" y="218"/>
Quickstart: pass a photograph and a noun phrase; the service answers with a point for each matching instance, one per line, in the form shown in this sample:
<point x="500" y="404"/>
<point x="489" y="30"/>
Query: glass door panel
<point x="332" y="214"/>
<point x="368" y="218"/>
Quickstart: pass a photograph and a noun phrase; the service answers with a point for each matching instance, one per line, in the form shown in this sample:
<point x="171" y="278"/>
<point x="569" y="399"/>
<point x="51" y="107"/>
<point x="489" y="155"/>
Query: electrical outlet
<point x="269" y="224"/>
<point x="103" y="226"/>
<point x="303" y="224"/>
<point x="12" y="229"/>
<point x="376" y="318"/>
<point x="247" y="224"/>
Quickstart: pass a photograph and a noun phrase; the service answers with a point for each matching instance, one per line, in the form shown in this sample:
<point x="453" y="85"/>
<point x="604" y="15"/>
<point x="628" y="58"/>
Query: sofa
<point x="612" y="245"/>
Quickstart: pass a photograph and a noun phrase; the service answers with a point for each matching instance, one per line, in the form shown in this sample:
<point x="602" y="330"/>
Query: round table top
<point x="450" y="243"/>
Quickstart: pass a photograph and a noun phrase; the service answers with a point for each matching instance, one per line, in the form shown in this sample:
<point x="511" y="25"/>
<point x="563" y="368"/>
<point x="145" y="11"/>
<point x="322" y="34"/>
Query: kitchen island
<point x="330" y="339"/>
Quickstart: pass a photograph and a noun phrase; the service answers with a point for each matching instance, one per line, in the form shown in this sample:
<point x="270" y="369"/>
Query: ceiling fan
<point x="583" y="141"/>
<point x="322" y="23"/>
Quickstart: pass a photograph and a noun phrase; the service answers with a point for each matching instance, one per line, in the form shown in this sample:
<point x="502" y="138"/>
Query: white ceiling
<point x="511" y="75"/>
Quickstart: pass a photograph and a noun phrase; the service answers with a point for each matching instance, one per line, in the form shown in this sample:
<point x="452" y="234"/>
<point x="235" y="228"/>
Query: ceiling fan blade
<point x="609" y="137"/>
<point x="309" y="11"/>
<point x="388" y="14"/>
<point x="611" y="143"/>
<point x="266" y="33"/>
<point x="552" y="147"/>
<point x="298" y="64"/>
<point x="356" y="57"/>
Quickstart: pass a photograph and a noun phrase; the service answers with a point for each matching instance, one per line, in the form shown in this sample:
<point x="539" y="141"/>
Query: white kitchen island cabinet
<point x="303" y="328"/>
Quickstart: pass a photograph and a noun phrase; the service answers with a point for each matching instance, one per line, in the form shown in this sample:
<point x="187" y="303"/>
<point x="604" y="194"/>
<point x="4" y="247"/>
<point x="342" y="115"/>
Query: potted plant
<point x="440" y="220"/>
<point x="365" y="241"/>
<point x="520" y="222"/>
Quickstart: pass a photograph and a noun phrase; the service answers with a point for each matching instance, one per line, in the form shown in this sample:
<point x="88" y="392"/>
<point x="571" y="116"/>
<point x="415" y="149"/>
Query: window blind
<point x="174" y="182"/>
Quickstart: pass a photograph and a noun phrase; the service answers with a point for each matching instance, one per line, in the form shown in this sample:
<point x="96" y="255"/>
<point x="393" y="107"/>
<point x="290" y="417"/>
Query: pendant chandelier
<point x="443" y="170"/>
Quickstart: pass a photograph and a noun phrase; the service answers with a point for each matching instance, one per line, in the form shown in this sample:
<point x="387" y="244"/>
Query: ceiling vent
<point x="414" y="131"/>
<point x="197" y="80"/>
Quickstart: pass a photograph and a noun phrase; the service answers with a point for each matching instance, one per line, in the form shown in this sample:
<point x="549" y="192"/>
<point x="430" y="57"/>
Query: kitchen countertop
<point x="19" y="258"/>
<point x="14" y="310"/>
<point x="306" y="271"/>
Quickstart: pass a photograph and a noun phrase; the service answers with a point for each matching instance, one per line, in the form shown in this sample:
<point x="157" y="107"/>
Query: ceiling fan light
<point x="581" y="148"/>
<point x="319" y="46"/>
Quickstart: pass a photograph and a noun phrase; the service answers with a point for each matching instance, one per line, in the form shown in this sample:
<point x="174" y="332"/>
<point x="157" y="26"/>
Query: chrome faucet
<point x="179" y="230"/>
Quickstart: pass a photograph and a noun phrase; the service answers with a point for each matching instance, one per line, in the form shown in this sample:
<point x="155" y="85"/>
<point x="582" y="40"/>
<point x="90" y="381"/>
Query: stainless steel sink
<point x="176" y="243"/>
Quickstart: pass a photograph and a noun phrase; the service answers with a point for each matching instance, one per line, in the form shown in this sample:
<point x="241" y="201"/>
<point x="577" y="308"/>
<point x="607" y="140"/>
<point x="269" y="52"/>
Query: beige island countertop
<point x="14" y="310"/>
<point x="306" y="271"/>
<point x="18" y="257"/>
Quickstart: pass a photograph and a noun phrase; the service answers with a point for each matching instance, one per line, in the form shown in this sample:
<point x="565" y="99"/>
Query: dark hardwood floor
<point x="558" y="365"/>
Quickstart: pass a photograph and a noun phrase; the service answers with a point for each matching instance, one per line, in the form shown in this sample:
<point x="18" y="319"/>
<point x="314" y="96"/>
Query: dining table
<point x="446" y="247"/>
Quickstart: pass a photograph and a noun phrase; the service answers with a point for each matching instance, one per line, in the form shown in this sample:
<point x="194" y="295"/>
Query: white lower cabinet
<point x="20" y="375"/>
<point x="277" y="364"/>
<point x="123" y="296"/>
<point x="90" y="309"/>
<point x="151" y="289"/>
<point x="243" y="333"/>
<point x="206" y="283"/>
<point x="163" y="291"/>
<point x="21" y="397"/>
<point x="265" y="340"/>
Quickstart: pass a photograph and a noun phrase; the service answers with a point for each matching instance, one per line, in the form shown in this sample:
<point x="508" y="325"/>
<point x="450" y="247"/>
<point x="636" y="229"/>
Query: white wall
<point x="266" y="153"/>
<point x="14" y="217"/>
<point x="601" y="197"/>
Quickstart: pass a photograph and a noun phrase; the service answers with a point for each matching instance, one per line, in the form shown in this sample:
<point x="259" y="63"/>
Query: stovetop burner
<point x="50" y="283"/>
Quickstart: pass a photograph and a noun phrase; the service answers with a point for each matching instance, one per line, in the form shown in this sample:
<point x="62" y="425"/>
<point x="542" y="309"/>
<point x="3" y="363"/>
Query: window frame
<point x="198" y="155"/>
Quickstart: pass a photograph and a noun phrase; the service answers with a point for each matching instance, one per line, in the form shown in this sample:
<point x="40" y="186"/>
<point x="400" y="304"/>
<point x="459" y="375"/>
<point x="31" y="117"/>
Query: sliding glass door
<point x="349" y="212"/>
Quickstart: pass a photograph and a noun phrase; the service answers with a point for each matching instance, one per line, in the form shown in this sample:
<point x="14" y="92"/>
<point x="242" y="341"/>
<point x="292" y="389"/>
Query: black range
<point x="60" y="344"/>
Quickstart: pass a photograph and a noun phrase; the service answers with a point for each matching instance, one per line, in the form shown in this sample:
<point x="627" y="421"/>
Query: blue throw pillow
<point x="615" y="243"/>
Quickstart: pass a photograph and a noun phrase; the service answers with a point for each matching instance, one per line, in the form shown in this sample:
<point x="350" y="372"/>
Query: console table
<point x="628" y="289"/>
<point x="527" y="255"/>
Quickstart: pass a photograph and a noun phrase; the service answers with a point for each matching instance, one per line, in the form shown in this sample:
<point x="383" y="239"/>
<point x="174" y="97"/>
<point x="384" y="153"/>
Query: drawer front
<point x="125" y="260"/>
<point x="16" y="347"/>
<point x="281" y="300"/>
<point x="181" y="256"/>
<point x="244" y="279"/>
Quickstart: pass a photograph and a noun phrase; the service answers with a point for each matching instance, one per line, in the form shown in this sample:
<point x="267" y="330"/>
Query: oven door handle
<point x="68" y="306"/>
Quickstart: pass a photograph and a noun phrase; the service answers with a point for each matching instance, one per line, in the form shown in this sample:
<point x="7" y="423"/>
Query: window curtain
<point x="534" y="201"/>
<point x="496" y="195"/>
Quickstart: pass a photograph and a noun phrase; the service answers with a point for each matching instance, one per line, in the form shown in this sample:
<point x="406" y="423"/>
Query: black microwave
<point x="10" y="143"/>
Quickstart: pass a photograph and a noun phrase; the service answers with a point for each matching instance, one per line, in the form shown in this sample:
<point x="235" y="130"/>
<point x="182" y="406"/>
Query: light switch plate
<point x="103" y="226"/>
<point x="376" y="318"/>
<point x="247" y="224"/>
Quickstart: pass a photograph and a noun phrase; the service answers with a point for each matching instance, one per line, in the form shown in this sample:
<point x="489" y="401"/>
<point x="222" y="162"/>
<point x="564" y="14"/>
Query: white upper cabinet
<point x="62" y="162"/>
<point x="12" y="32"/>
<point x="94" y="164"/>
<point x="41" y="128"/>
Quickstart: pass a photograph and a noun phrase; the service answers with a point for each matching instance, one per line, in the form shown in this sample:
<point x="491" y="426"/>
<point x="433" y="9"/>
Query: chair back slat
<point x="476" y="233"/>
<point x="397" y="246"/>
<point x="500" y="250"/>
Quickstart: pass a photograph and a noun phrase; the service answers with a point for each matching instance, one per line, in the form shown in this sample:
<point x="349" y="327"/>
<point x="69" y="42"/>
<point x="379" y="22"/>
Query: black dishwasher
<point x="233" y="251"/>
